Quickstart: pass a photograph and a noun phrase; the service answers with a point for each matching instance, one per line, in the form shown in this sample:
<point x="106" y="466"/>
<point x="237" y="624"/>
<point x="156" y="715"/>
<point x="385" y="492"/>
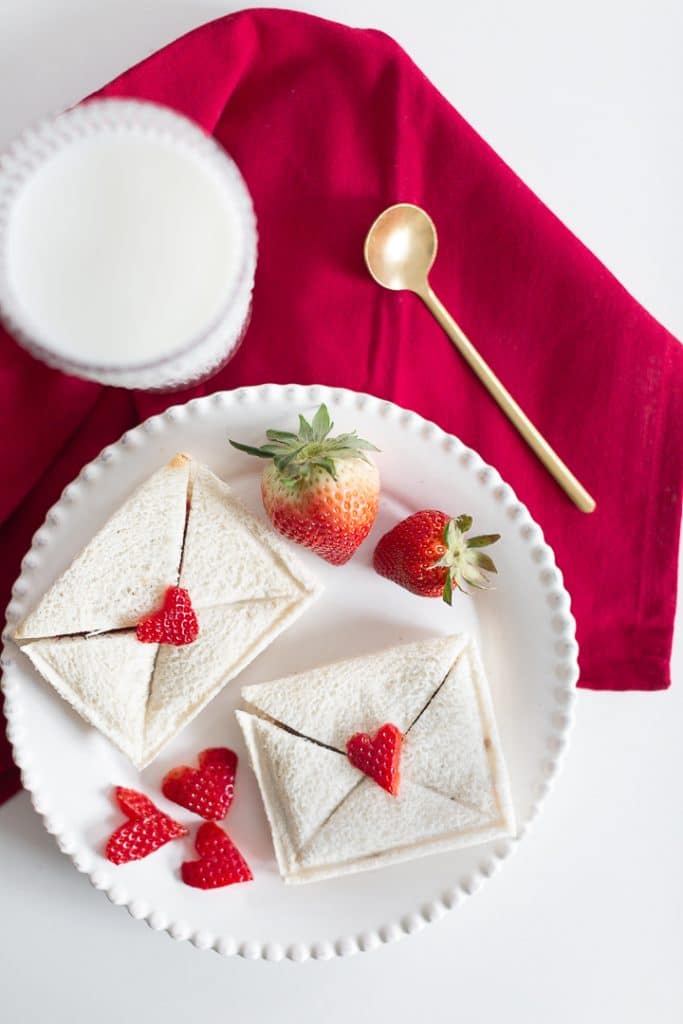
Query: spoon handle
<point x="550" y="459"/>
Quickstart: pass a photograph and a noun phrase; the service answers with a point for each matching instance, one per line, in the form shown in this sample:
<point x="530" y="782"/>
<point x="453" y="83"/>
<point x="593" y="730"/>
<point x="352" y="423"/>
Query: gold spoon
<point x="400" y="249"/>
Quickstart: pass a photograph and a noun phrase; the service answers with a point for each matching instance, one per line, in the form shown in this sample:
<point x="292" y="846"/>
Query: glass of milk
<point x="127" y="246"/>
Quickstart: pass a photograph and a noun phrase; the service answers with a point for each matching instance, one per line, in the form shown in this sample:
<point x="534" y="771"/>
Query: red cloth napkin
<point x="330" y="125"/>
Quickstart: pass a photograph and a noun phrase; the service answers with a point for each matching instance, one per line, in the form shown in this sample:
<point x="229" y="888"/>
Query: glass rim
<point x="29" y="152"/>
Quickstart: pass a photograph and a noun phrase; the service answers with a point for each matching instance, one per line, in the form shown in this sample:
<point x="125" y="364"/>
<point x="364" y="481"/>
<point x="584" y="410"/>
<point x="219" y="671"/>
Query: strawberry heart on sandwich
<point x="176" y="623"/>
<point x="220" y="863"/>
<point x="378" y="756"/>
<point x="146" y="830"/>
<point x="207" y="790"/>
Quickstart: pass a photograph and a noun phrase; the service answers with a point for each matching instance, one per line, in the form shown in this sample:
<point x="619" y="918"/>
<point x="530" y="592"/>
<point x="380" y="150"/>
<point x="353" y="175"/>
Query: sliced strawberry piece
<point x="219" y="756"/>
<point x="220" y="864"/>
<point x="378" y="756"/>
<point x="138" y="838"/>
<point x="146" y="830"/>
<point x="211" y="840"/>
<point x="208" y="790"/>
<point x="134" y="804"/>
<point x="176" y="623"/>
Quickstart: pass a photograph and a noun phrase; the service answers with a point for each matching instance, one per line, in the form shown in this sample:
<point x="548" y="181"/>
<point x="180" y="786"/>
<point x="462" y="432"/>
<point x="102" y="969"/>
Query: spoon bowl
<point x="400" y="248"/>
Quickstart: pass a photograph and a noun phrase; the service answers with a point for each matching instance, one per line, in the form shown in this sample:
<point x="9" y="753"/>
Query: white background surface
<point x="585" y="101"/>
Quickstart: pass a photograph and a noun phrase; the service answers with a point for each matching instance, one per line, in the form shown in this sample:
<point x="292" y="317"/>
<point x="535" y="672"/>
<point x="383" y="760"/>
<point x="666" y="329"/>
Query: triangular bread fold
<point x="453" y="747"/>
<point x="331" y="703"/>
<point x="371" y="828"/>
<point x="187" y="678"/>
<point x="229" y="554"/>
<point x="302" y="784"/>
<point x="123" y="572"/>
<point x="105" y="678"/>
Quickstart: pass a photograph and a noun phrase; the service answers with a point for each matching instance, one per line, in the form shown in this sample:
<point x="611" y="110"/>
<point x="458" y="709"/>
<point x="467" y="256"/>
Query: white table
<point x="585" y="101"/>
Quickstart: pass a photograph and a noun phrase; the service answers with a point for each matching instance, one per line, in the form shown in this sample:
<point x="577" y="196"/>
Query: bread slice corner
<point x="105" y="678"/>
<point x="137" y="552"/>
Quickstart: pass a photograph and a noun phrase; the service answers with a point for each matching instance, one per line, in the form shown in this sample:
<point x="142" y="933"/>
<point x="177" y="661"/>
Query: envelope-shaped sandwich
<point x="328" y="818"/>
<point x="182" y="527"/>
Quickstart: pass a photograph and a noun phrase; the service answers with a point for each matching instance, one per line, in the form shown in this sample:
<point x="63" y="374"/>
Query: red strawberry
<point x="221" y="863"/>
<point x="175" y="624"/>
<point x="378" y="757"/>
<point x="428" y="554"/>
<point x="134" y="804"/>
<point x="208" y="790"/>
<point x="146" y="830"/>
<point x="319" y="491"/>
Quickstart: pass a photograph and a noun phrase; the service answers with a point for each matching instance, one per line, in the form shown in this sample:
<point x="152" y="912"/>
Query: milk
<point x="124" y="252"/>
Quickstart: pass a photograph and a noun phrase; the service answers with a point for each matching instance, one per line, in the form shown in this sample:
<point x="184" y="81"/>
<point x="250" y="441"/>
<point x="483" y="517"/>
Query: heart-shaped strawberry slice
<point x="176" y="623"/>
<point x="220" y="863"/>
<point x="378" y="756"/>
<point x="207" y="790"/>
<point x="146" y="830"/>
<point x="134" y="804"/>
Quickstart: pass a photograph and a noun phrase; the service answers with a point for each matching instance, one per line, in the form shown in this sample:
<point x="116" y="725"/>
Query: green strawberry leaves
<point x="296" y="456"/>
<point x="322" y="424"/>
<point x="466" y="564"/>
<point x="285" y="436"/>
<point x="260" y="453"/>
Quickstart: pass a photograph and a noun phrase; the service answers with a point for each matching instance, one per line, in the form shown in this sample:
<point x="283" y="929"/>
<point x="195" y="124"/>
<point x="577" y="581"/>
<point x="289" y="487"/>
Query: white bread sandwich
<point x="329" y="818"/>
<point x="138" y="549"/>
<point x="181" y="528"/>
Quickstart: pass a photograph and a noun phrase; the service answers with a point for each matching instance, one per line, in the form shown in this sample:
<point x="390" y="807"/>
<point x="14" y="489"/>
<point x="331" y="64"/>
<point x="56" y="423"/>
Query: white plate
<point x="525" y="630"/>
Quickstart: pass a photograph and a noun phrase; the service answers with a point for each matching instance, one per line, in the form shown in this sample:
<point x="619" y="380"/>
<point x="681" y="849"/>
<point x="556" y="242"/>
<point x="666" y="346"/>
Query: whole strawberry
<point x="319" y="491"/>
<point x="429" y="554"/>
